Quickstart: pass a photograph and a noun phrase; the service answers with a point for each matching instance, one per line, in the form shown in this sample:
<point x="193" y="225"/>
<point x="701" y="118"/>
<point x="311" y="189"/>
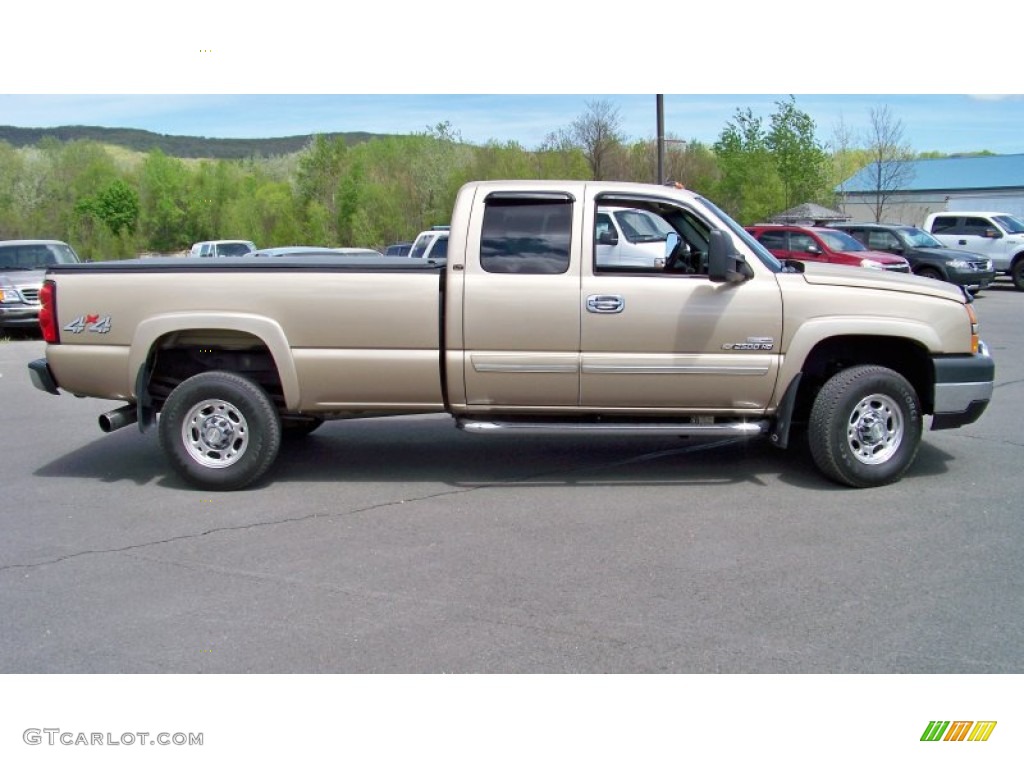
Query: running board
<point x="731" y="429"/>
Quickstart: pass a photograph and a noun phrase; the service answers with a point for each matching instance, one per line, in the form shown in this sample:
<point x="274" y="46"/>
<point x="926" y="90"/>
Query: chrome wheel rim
<point x="215" y="433"/>
<point x="874" y="430"/>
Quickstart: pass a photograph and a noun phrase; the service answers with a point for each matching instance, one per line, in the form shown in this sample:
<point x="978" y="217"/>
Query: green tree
<point x="116" y="206"/>
<point x="800" y="160"/>
<point x="749" y="188"/>
<point x="164" y="203"/>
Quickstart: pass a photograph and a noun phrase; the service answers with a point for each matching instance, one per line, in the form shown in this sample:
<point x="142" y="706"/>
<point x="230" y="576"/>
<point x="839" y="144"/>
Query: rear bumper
<point x="42" y="377"/>
<point x="963" y="388"/>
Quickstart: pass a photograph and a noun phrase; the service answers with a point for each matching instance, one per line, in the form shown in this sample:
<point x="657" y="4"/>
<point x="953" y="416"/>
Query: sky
<point x="931" y="122"/>
<point x="503" y="73"/>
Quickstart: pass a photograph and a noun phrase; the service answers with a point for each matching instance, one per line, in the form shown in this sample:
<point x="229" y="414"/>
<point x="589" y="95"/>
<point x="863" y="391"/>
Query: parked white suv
<point x="999" y="236"/>
<point x="208" y="248"/>
<point x="431" y="244"/>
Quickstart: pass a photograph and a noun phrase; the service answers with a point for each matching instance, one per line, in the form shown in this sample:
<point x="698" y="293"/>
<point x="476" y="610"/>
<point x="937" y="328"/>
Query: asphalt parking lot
<point x="404" y="545"/>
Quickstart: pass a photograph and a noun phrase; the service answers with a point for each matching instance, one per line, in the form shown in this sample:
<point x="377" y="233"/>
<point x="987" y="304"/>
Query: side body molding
<point x="267" y="330"/>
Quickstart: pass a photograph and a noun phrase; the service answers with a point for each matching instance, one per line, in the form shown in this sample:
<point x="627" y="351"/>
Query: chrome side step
<point x="684" y="429"/>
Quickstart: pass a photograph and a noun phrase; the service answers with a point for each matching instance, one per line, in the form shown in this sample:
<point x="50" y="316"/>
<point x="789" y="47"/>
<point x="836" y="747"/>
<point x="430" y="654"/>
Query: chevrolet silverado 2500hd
<point x="521" y="328"/>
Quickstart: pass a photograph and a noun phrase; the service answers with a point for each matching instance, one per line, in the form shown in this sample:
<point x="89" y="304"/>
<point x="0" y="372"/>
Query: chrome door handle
<point x="605" y="304"/>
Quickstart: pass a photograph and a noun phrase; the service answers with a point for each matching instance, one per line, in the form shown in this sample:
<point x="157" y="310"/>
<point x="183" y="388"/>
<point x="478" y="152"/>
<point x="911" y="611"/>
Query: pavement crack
<point x="563" y="471"/>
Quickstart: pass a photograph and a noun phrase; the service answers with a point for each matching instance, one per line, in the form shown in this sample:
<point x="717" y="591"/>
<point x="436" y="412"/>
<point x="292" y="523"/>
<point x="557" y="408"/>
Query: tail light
<point x="48" y="312"/>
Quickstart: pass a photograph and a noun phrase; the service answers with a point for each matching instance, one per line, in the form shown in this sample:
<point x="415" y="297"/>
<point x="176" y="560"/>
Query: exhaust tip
<point x="116" y="419"/>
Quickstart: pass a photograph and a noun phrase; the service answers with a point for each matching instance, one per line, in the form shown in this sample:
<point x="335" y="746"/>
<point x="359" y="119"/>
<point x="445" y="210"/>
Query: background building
<point x="982" y="183"/>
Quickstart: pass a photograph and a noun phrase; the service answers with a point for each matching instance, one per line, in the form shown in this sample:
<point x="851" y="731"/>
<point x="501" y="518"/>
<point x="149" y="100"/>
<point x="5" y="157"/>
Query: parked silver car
<point x="22" y="266"/>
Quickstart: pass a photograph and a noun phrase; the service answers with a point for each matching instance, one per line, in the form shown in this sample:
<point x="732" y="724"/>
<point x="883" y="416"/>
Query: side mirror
<point x="608" y="237"/>
<point x="992" y="233"/>
<point x="725" y="265"/>
<point x="812" y="248"/>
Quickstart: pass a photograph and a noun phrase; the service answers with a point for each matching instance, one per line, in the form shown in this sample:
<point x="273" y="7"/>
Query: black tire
<point x="293" y="429"/>
<point x="242" y="431"/>
<point x="865" y="426"/>
<point x="930" y="272"/>
<point x="1017" y="273"/>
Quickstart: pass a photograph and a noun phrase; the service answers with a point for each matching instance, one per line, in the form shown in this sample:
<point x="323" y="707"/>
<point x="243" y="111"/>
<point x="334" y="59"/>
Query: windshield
<point x="641" y="227"/>
<point x="748" y="239"/>
<point x="918" y="238"/>
<point x="420" y="246"/>
<point x="35" y="255"/>
<point x="1011" y="224"/>
<point x="840" y="241"/>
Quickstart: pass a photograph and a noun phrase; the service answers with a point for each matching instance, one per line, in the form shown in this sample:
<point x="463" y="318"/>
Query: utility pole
<point x="661" y="137"/>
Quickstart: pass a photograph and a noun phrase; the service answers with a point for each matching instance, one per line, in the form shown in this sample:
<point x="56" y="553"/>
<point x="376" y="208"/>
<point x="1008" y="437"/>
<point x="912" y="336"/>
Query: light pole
<point x="661" y="137"/>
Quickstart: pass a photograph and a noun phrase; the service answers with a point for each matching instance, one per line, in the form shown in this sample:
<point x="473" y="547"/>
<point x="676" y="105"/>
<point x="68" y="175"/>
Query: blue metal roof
<point x="952" y="173"/>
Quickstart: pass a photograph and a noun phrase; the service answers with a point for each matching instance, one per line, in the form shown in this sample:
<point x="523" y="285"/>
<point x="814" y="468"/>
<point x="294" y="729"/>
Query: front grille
<point x="30" y="295"/>
<point x="905" y="268"/>
<point x="978" y="266"/>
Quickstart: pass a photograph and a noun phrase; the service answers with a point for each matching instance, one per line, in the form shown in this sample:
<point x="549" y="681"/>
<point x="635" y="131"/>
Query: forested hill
<point x="174" y="146"/>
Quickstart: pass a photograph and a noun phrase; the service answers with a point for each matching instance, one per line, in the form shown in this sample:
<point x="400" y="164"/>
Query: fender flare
<point x="266" y="330"/>
<point x="817" y="330"/>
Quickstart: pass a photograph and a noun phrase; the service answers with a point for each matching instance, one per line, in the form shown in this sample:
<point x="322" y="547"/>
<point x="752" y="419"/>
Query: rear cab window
<point x="526" y="233"/>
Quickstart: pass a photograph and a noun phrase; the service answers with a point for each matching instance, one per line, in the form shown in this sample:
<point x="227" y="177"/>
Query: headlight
<point x="988" y="265"/>
<point x="9" y="296"/>
<point x="959" y="264"/>
<point x="871" y="264"/>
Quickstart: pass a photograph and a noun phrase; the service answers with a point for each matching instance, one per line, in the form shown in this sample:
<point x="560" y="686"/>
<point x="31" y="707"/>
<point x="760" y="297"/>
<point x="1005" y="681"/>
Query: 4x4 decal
<point x="93" y="323"/>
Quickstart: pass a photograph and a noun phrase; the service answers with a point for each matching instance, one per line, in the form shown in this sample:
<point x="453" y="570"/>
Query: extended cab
<point x="996" y="236"/>
<point x="521" y="329"/>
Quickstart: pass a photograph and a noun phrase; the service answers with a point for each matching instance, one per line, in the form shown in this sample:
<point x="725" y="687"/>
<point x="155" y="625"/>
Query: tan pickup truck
<point x="522" y="329"/>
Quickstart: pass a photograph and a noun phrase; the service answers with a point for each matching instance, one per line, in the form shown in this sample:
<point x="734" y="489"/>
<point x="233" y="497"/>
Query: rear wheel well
<point x="830" y="356"/>
<point x="180" y="355"/>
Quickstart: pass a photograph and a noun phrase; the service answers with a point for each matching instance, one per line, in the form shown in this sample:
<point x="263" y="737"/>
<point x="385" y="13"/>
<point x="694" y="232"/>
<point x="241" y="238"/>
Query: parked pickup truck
<point x="521" y="330"/>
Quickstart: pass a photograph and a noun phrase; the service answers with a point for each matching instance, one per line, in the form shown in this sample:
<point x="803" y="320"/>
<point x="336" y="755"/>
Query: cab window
<point x="525" y="234"/>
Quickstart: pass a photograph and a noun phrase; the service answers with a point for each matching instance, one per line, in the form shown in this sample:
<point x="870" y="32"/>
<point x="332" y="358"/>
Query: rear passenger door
<point x="776" y="241"/>
<point x="521" y="301"/>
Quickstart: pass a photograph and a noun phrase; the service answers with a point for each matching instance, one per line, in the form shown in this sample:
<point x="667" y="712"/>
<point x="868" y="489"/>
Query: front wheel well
<point x="905" y="356"/>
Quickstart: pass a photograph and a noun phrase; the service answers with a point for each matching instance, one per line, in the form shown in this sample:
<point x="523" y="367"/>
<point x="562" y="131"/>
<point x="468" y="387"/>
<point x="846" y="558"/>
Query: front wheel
<point x="1017" y="273"/>
<point x="865" y="426"/>
<point x="219" y="430"/>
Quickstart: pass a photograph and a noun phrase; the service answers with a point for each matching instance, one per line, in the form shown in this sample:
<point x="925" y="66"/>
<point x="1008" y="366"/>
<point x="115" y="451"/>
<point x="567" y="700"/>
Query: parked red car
<point x="823" y="245"/>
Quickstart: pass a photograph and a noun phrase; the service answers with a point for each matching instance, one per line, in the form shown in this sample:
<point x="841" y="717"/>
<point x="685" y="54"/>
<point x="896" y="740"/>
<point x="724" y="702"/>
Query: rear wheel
<point x="865" y="426"/>
<point x="220" y="431"/>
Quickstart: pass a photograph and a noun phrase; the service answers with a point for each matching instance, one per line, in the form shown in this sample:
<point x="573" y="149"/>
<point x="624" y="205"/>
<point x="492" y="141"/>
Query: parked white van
<point x="999" y="236"/>
<point x="211" y="248"/>
<point x="630" y="237"/>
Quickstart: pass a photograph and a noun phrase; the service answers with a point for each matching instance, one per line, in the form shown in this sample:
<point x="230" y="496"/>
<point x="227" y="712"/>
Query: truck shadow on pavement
<point x="430" y="449"/>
